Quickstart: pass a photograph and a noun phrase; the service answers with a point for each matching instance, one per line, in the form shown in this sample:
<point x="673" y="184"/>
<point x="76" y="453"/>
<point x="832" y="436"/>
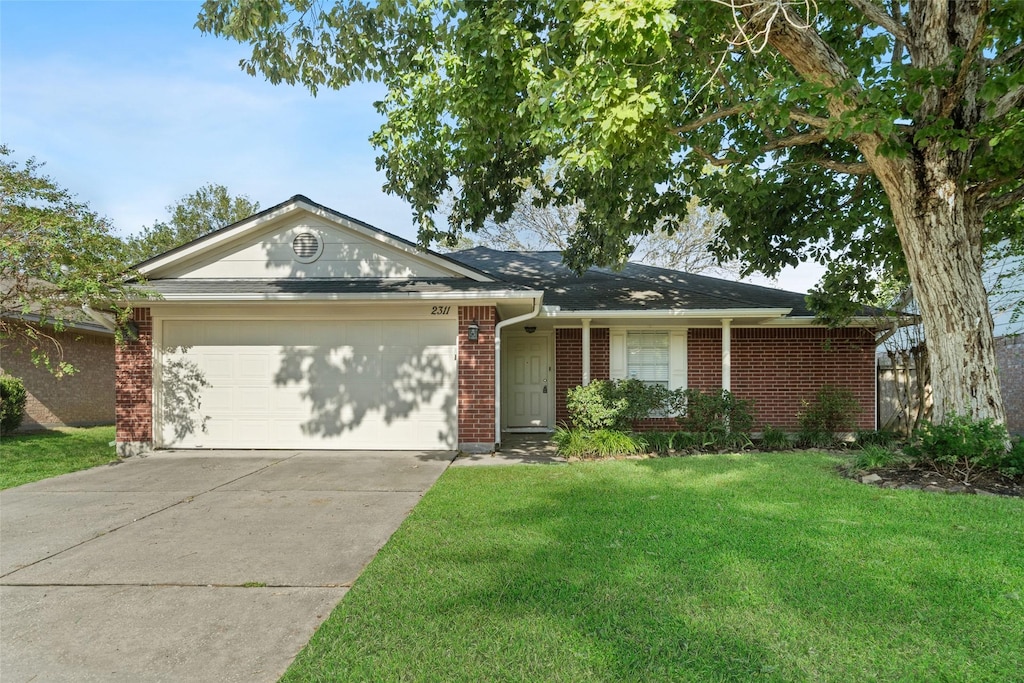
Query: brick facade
<point x="569" y="363"/>
<point x="81" y="399"/>
<point x="776" y="367"/>
<point x="134" y="387"/>
<point x="476" y="379"/>
<point x="1010" y="356"/>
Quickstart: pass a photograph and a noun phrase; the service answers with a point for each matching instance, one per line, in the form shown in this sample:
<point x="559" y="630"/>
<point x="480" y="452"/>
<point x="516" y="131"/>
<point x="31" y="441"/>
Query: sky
<point x="132" y="108"/>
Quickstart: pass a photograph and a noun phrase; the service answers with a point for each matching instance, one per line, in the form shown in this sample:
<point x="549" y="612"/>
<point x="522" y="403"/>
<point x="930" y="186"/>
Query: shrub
<point x="773" y="439"/>
<point x="882" y="437"/>
<point x="833" y="410"/>
<point x="713" y="412"/>
<point x="583" y="443"/>
<point x="961" y="446"/>
<point x="604" y="404"/>
<point x="659" y="442"/>
<point x="687" y="441"/>
<point x="12" y="403"/>
<point x="1012" y="464"/>
<point x="872" y="456"/>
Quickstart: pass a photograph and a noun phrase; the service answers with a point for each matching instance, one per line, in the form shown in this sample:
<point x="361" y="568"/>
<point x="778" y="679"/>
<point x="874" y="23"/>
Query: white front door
<point x="528" y="390"/>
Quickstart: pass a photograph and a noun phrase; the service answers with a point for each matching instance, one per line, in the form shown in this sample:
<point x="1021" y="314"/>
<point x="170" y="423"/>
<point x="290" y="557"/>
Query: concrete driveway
<point x="137" y="571"/>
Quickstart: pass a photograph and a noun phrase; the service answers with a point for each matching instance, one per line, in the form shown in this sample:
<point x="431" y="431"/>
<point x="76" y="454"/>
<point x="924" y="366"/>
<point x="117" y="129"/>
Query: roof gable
<point x="300" y="239"/>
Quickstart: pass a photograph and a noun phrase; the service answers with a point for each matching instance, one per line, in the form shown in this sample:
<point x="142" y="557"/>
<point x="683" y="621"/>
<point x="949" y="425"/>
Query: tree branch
<point x="798" y="140"/>
<point x="878" y="15"/>
<point x="1005" y="57"/>
<point x="711" y="158"/>
<point x="1002" y="201"/>
<point x="897" y="48"/>
<point x="800" y="116"/>
<point x="956" y="92"/>
<point x="859" y="168"/>
<point x="1014" y="99"/>
<point x="708" y="118"/>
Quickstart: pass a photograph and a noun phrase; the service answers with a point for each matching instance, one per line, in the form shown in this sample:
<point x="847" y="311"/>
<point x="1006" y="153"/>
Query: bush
<point x="833" y="410"/>
<point x="961" y="446"/>
<point x="872" y="456"/>
<point x="882" y="437"/>
<point x="605" y="404"/>
<point x="713" y="412"/>
<point x="604" y="443"/>
<point x="12" y="403"/>
<point x="659" y="442"/>
<point x="773" y="439"/>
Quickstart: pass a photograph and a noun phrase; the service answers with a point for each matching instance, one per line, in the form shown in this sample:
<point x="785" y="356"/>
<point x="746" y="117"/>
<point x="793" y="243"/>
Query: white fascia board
<point x="216" y="239"/>
<point x="811" y="321"/>
<point x="734" y="313"/>
<point x="495" y="296"/>
<point x="415" y="252"/>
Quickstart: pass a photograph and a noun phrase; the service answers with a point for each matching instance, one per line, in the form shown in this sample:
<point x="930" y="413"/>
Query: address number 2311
<point x="440" y="310"/>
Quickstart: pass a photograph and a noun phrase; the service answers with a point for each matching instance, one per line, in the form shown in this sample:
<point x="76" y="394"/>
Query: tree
<point x="878" y="137"/>
<point x="56" y="255"/>
<point x="534" y="226"/>
<point x="194" y="215"/>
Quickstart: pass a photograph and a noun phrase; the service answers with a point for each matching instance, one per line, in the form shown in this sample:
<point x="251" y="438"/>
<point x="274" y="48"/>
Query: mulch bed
<point x="927" y="479"/>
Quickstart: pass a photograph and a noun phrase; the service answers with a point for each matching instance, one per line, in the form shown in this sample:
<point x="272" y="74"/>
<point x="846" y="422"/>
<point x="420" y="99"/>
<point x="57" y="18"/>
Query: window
<point x="647" y="357"/>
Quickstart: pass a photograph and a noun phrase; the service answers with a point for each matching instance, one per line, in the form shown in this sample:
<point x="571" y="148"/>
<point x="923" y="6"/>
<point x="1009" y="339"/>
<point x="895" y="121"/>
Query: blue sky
<point x="131" y="108"/>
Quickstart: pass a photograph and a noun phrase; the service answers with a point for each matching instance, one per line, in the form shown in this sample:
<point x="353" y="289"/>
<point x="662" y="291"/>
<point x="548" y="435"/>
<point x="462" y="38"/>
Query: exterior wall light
<point x="473" y="331"/>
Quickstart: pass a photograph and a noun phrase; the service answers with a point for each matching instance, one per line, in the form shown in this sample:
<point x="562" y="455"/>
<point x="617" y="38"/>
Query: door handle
<point x="545" y="389"/>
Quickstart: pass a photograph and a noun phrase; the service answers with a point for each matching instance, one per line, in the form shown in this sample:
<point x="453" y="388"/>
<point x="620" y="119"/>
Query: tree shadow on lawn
<point x="733" y="568"/>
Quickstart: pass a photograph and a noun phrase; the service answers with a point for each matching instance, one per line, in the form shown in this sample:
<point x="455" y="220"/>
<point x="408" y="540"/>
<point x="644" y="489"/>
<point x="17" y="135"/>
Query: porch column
<point x="727" y="354"/>
<point x="586" y="351"/>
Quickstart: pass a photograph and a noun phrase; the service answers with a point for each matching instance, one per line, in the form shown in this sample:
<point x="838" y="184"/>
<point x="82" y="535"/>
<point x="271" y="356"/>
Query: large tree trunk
<point x="941" y="237"/>
<point x="940" y="229"/>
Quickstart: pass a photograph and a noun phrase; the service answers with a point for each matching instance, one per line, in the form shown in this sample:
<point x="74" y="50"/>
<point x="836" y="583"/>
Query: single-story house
<point x="81" y="399"/>
<point x="301" y="327"/>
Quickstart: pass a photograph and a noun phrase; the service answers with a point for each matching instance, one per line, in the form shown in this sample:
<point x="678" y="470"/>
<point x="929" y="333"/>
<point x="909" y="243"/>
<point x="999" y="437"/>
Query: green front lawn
<point x="30" y="457"/>
<point x="708" y="568"/>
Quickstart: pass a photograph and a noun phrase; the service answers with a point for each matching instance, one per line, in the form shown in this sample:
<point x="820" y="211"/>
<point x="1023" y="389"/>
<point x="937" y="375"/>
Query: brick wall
<point x="476" y="377"/>
<point x="134" y="384"/>
<point x="777" y="368"/>
<point x="1010" y="356"/>
<point x="83" y="398"/>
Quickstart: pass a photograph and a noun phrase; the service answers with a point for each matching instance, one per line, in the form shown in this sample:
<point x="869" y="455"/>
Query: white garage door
<point x="307" y="384"/>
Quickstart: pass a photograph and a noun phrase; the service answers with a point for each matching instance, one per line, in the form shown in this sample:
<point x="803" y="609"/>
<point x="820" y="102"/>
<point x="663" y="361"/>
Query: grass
<point x="760" y="567"/>
<point x="33" y="456"/>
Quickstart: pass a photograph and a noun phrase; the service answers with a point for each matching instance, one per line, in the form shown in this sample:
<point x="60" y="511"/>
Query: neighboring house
<point x="81" y="399"/>
<point x="300" y="327"/>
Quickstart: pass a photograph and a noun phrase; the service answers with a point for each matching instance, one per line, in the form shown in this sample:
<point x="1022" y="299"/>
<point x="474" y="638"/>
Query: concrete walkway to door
<point x="138" y="571"/>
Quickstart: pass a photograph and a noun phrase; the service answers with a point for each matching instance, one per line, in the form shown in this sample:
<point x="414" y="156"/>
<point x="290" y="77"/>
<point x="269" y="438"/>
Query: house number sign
<point x="440" y="310"/>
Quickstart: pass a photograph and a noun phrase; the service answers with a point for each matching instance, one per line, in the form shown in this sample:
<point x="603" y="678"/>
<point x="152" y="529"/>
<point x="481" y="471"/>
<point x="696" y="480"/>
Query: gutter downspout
<point x="497" y="363"/>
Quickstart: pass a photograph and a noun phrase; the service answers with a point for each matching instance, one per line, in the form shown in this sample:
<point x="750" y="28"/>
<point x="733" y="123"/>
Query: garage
<point x="306" y="383"/>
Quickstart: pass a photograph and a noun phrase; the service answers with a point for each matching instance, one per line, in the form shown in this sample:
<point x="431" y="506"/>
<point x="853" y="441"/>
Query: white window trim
<point x="677" y="356"/>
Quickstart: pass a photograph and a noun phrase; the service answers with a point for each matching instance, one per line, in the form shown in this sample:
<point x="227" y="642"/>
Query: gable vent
<point x="307" y="247"/>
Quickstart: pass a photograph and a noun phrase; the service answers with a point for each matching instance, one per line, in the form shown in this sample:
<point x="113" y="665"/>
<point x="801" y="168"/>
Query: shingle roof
<point x="217" y="287"/>
<point x="635" y="287"/>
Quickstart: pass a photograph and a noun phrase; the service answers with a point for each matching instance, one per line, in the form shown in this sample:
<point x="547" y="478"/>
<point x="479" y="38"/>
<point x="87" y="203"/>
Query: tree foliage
<point x="873" y="137"/>
<point x="56" y="255"/>
<point x="194" y="215"/>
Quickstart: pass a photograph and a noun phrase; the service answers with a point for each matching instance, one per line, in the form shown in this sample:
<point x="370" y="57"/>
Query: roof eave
<point x="200" y="297"/>
<point x="731" y="313"/>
